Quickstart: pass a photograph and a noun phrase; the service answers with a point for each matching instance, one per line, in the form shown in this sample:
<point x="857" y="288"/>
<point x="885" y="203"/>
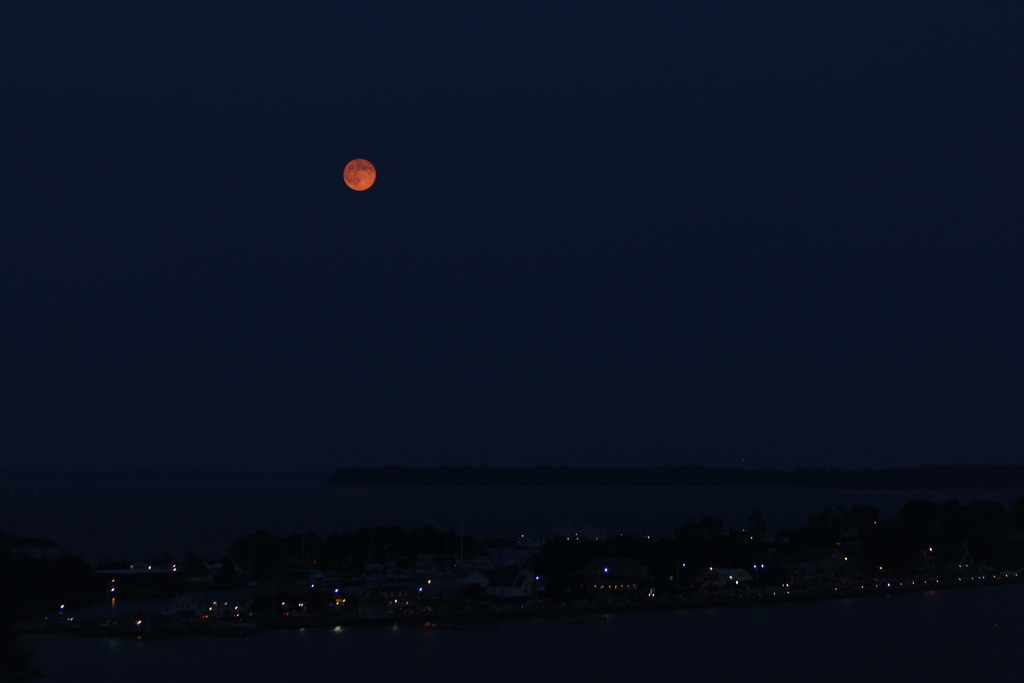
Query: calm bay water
<point x="960" y="635"/>
<point x="133" y="520"/>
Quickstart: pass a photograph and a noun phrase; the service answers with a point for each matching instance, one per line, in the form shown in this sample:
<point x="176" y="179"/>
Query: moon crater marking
<point x="359" y="174"/>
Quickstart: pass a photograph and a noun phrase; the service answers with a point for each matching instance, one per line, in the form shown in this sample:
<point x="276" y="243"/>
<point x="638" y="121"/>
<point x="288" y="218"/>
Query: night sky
<point x="601" y="234"/>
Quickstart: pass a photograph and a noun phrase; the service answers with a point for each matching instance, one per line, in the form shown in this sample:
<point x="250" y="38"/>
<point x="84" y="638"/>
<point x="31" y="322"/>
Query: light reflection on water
<point x="958" y="635"/>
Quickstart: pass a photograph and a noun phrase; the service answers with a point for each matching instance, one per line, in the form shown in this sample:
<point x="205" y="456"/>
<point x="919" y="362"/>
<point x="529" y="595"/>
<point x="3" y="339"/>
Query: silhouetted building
<point x="511" y="582"/>
<point x="373" y="605"/>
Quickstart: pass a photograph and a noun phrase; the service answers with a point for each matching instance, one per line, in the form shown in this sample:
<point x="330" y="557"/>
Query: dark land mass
<point x="432" y="577"/>
<point x="961" y="477"/>
<point x="16" y="541"/>
<point x="13" y="477"/>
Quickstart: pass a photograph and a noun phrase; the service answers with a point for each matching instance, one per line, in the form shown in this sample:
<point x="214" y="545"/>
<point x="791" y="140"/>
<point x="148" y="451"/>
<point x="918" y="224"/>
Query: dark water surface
<point x="134" y="520"/>
<point x="960" y="635"/>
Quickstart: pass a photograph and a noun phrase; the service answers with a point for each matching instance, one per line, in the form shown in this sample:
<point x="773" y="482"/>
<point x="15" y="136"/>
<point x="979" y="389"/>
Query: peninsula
<point x="990" y="477"/>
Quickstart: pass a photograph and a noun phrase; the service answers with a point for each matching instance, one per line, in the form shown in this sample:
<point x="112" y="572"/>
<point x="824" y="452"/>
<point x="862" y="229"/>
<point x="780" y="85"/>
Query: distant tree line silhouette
<point x="922" y="535"/>
<point x="261" y="553"/>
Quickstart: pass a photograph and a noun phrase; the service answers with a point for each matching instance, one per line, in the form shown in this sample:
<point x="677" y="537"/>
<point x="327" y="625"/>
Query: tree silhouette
<point x="711" y="525"/>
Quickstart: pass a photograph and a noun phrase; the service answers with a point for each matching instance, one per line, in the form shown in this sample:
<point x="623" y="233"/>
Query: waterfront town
<point x="425" y="576"/>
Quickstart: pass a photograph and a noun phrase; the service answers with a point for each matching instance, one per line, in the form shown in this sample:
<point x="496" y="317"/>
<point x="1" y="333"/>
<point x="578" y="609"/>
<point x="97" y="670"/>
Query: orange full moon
<point x="359" y="174"/>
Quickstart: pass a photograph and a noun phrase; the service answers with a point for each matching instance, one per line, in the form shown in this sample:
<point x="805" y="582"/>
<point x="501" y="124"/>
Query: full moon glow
<point x="359" y="174"/>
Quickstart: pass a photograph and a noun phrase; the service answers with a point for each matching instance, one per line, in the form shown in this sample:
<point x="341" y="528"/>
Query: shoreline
<point x="456" y="619"/>
<point x="576" y="613"/>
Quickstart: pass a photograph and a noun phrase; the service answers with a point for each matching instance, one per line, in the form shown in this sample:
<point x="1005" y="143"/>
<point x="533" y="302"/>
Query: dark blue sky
<point x="601" y="234"/>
